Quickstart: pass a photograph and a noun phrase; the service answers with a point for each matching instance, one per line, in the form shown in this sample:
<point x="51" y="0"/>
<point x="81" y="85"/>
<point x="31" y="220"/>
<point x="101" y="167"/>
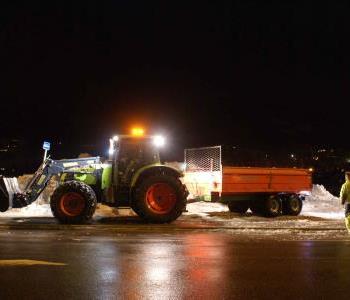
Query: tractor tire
<point x="292" y="206"/>
<point x="159" y="198"/>
<point x="240" y="207"/>
<point x="272" y="206"/>
<point x="73" y="202"/>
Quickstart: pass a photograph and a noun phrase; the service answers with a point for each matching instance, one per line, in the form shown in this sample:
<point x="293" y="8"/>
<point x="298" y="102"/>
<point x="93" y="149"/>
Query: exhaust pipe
<point x="8" y="189"/>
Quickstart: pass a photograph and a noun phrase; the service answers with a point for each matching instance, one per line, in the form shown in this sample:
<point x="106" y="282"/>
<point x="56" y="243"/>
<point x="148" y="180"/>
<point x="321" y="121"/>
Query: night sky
<point x="267" y="74"/>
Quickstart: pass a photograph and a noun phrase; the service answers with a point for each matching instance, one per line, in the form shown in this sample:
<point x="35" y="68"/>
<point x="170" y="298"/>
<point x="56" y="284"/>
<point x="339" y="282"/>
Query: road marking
<point x="27" y="262"/>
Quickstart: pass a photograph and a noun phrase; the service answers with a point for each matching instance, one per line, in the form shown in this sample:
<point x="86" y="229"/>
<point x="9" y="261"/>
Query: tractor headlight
<point x="158" y="141"/>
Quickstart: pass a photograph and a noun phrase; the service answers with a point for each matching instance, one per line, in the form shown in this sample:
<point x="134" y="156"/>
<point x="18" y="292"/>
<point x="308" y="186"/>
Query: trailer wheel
<point x="240" y="207"/>
<point x="292" y="205"/>
<point x="73" y="202"/>
<point x="272" y="206"/>
<point x="159" y="198"/>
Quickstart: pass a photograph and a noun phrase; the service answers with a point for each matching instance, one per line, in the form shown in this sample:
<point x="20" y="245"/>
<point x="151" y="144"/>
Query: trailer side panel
<point x="236" y="180"/>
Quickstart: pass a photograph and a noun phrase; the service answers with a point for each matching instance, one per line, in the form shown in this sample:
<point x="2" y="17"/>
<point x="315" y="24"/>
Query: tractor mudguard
<point x="88" y="179"/>
<point x="106" y="181"/>
<point x="154" y="168"/>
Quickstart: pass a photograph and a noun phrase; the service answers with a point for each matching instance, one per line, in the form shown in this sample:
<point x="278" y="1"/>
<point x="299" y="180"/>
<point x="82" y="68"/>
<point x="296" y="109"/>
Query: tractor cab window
<point x="140" y="151"/>
<point x="134" y="154"/>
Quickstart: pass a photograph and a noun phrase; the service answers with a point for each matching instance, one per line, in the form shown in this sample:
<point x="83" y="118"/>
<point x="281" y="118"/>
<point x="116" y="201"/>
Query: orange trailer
<point x="266" y="191"/>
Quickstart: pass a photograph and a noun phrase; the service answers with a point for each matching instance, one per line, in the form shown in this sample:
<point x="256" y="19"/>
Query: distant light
<point x="137" y="131"/>
<point x="158" y="140"/>
<point x="115" y="138"/>
<point x="292" y="155"/>
<point x="311" y="169"/>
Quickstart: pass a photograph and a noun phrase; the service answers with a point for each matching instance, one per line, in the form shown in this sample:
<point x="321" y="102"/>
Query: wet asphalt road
<point x="180" y="261"/>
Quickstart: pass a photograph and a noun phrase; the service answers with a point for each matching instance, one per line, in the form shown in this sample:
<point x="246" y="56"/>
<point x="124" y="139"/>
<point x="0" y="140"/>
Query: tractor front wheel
<point x="159" y="198"/>
<point x="73" y="202"/>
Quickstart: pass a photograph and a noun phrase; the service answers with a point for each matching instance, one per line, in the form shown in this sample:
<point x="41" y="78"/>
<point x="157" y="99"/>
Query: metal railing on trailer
<point x="203" y="168"/>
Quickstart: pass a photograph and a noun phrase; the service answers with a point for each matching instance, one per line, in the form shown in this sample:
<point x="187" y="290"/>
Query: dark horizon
<point x="238" y="73"/>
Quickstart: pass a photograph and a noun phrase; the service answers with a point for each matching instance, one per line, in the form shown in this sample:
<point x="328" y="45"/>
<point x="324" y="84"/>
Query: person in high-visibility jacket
<point x="345" y="199"/>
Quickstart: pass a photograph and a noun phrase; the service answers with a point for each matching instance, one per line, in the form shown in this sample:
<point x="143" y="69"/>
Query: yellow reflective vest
<point x="345" y="192"/>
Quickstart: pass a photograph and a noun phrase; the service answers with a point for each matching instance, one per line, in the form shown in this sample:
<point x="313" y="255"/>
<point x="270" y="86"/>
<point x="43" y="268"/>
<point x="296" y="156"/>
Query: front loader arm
<point x="38" y="183"/>
<point x="11" y="197"/>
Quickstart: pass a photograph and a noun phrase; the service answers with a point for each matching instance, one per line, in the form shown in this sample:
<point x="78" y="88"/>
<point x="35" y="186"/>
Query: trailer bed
<point x="237" y="180"/>
<point x="207" y="179"/>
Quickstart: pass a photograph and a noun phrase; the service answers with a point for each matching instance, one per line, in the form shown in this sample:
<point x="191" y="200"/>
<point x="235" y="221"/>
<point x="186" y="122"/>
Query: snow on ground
<point x="321" y="218"/>
<point x="43" y="210"/>
<point x="322" y="203"/>
<point x="203" y="208"/>
<point x="33" y="210"/>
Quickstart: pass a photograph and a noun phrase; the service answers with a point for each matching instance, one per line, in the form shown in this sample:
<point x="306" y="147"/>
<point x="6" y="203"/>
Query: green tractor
<point x="133" y="176"/>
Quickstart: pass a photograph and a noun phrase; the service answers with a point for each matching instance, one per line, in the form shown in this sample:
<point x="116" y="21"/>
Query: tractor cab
<point x="128" y="154"/>
<point x="143" y="149"/>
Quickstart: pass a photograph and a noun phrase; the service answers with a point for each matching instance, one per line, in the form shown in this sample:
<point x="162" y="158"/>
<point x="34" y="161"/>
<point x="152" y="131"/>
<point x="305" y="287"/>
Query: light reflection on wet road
<point x="189" y="265"/>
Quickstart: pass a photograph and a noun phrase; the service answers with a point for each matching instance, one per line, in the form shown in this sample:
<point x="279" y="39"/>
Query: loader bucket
<point x="8" y="187"/>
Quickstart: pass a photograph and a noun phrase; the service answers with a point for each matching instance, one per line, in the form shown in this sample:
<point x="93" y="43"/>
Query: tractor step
<point x="8" y="190"/>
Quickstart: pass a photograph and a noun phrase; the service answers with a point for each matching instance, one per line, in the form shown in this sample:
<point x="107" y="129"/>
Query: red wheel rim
<point x="72" y="204"/>
<point x="161" y="198"/>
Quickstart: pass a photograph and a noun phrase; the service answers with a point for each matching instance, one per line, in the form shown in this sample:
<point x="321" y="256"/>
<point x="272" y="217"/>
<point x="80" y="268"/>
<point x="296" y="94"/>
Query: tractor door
<point x="133" y="154"/>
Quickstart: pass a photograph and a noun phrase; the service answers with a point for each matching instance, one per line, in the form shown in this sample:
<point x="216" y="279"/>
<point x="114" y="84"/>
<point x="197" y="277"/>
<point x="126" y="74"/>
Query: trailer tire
<point x="73" y="202"/>
<point x="239" y="207"/>
<point x="159" y="198"/>
<point x="292" y="206"/>
<point x="272" y="206"/>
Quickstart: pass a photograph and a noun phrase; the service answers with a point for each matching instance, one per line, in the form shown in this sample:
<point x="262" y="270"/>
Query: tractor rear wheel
<point x="73" y="202"/>
<point x="159" y="198"/>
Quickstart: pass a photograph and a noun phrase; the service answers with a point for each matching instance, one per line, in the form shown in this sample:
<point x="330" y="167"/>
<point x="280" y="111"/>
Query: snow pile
<point x="36" y="209"/>
<point x="322" y="203"/>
